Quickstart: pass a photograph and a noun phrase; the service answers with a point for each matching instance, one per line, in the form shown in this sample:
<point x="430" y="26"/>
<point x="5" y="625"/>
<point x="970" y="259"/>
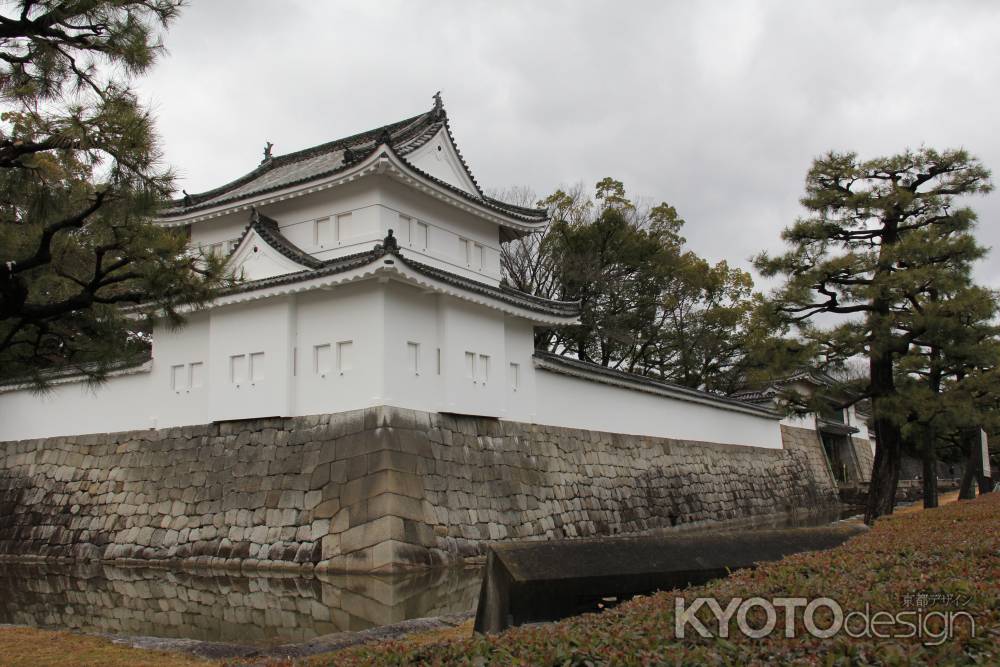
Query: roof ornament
<point x="388" y="244"/>
<point x="267" y="152"/>
<point x="349" y="155"/>
<point x="438" y="105"/>
<point x="385" y="137"/>
<point x="254" y="215"/>
<point x="187" y="198"/>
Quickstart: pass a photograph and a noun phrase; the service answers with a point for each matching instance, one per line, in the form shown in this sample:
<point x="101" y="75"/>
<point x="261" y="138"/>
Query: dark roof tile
<point x="267" y="229"/>
<point x="341" y="264"/>
<point x="316" y="162"/>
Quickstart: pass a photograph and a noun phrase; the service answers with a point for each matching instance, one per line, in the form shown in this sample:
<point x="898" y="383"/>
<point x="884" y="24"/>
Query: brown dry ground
<point x="30" y="647"/>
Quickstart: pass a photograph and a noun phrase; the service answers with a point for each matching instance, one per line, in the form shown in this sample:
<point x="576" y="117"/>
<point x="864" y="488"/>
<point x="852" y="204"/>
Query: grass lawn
<point x="951" y="553"/>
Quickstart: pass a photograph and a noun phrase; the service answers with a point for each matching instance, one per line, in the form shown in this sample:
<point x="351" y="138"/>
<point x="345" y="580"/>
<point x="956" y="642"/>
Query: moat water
<point x="264" y="608"/>
<point x="261" y="608"/>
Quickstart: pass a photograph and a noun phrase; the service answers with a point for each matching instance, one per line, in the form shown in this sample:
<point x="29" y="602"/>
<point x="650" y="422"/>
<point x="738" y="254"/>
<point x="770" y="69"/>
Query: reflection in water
<point x="210" y="605"/>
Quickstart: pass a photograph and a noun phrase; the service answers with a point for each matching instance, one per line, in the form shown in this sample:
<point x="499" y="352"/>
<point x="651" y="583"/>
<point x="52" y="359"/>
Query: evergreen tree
<point x="649" y="305"/>
<point x="940" y="378"/>
<point x="80" y="177"/>
<point x="879" y="236"/>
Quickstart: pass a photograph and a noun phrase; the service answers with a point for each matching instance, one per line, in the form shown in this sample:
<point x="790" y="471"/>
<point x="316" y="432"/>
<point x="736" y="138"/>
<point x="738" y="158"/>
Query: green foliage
<point x="649" y="306"/>
<point x="882" y="241"/>
<point x="80" y="179"/>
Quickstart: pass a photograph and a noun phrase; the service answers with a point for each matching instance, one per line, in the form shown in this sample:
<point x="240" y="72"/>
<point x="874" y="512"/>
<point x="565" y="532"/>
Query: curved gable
<point x="439" y="158"/>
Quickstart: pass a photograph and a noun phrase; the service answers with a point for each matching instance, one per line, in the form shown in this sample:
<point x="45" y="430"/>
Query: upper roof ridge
<point x="402" y="138"/>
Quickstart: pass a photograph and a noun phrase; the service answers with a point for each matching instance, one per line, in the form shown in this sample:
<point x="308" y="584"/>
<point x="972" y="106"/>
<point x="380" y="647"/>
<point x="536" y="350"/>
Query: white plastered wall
<point x="473" y="358"/>
<point x="250" y="359"/>
<point x="439" y="158"/>
<point x="355" y="216"/>
<point x="339" y="349"/>
<point x="412" y="344"/>
<point x="573" y="402"/>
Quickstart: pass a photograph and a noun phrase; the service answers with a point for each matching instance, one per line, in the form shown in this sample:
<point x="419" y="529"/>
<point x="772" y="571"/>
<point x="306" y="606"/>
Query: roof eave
<point x="572" y="367"/>
<point x="380" y="265"/>
<point x="383" y="160"/>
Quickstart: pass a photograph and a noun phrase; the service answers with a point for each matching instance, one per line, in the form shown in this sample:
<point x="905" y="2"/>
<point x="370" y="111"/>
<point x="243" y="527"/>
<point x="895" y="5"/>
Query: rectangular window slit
<point x="344" y="356"/>
<point x="413" y="357"/>
<point x="484" y="367"/>
<point x="470" y="366"/>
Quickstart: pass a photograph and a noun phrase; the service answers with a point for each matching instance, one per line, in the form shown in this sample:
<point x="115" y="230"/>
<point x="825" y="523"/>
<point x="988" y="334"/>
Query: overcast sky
<point x="715" y="107"/>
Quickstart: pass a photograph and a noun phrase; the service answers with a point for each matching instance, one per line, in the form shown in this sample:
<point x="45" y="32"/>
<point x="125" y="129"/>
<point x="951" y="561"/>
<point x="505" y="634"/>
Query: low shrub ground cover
<point x="926" y="567"/>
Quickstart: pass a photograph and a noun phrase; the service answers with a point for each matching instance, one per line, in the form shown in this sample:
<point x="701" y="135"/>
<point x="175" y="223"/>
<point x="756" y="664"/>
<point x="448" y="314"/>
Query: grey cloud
<point x="717" y="108"/>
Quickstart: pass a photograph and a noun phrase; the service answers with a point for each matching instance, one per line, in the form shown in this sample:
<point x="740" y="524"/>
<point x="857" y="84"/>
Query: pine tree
<point x="80" y="178"/>
<point x="878" y="235"/>
<point x="940" y="378"/>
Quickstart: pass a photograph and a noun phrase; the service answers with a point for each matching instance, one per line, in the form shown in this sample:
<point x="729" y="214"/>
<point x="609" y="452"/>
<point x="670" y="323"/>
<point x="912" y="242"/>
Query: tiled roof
<point x="402" y="137"/>
<point x="267" y="229"/>
<point x="570" y="365"/>
<point x="768" y="392"/>
<point x="503" y="292"/>
<point x="388" y="247"/>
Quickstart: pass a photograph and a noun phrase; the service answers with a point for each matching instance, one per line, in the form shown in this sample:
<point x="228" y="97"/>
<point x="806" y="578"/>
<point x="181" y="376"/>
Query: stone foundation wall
<point x="807" y="442"/>
<point x="375" y="489"/>
<point x="865" y="458"/>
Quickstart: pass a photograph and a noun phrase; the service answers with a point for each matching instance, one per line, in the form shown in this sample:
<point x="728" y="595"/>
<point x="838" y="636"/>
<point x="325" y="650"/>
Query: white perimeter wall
<point x="573" y="402"/>
<point x="358" y="345"/>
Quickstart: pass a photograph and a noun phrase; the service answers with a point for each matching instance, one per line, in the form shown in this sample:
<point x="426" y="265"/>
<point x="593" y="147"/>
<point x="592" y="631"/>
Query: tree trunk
<point x="984" y="469"/>
<point x="930" y="472"/>
<point x="966" y="490"/>
<point x="888" y="440"/>
<point x="885" y="471"/>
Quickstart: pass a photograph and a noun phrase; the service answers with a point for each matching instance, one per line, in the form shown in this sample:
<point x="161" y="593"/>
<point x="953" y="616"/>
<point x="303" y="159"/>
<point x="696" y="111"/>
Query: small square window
<point x="345" y="356"/>
<point x="323" y="232"/>
<point x="195" y="374"/>
<point x="256" y="366"/>
<point x="343" y="230"/>
<point x="322" y="358"/>
<point x="178" y="379"/>
<point x="238" y="368"/>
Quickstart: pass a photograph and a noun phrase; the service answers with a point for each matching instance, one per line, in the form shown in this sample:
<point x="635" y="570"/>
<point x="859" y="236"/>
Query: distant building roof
<point x="770" y="391"/>
<point x="327" y="159"/>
